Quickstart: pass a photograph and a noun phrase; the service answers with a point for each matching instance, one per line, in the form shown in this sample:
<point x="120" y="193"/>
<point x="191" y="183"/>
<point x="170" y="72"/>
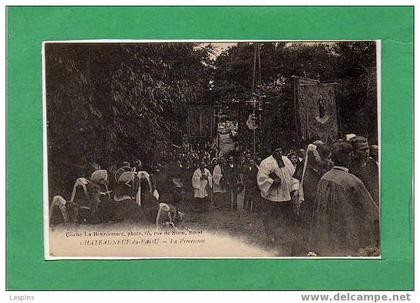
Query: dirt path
<point x="241" y="224"/>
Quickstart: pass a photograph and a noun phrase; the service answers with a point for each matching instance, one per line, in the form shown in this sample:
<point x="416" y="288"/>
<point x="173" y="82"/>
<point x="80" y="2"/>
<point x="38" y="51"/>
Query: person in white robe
<point x="221" y="198"/>
<point x="201" y="180"/>
<point x="279" y="191"/>
<point x="276" y="181"/>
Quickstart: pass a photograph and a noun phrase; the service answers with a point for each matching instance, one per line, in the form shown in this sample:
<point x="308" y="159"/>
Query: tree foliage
<point x="116" y="102"/>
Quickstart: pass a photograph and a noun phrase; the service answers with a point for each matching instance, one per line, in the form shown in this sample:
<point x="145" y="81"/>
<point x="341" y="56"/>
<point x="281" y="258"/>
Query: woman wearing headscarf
<point x="126" y="203"/>
<point x="314" y="166"/>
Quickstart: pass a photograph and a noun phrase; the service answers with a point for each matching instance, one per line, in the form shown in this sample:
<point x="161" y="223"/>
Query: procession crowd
<point x="321" y="200"/>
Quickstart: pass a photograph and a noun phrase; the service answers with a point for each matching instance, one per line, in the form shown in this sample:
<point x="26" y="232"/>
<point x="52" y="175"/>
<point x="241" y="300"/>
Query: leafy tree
<point x="357" y="90"/>
<point x="115" y="102"/>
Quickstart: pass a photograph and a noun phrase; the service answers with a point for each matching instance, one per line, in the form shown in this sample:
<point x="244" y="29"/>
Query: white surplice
<point x="217" y="176"/>
<point x="280" y="192"/>
<point x="199" y="184"/>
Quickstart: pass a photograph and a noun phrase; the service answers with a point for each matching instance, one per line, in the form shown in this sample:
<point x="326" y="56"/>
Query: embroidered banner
<point x="317" y="110"/>
<point x="200" y="122"/>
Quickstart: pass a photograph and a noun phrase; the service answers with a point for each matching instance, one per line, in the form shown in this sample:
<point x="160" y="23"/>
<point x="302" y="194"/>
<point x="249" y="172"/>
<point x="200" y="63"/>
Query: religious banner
<point x="226" y="140"/>
<point x="317" y="113"/>
<point x="252" y="122"/>
<point x="200" y="122"/>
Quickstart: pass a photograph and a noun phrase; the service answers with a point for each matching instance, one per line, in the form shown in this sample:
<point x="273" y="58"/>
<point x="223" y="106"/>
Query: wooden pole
<point x="254" y="151"/>
<point x="254" y="69"/>
<point x="259" y="98"/>
<point x="252" y="93"/>
<point x="295" y="84"/>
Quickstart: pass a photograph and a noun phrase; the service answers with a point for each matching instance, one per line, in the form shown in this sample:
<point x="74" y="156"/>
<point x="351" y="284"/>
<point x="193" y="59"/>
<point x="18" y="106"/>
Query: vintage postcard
<point x="211" y="149"/>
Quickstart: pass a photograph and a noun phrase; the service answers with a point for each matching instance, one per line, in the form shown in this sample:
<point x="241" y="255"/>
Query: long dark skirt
<point x="251" y="197"/>
<point x="304" y="221"/>
<point x="221" y="200"/>
<point x="201" y="204"/>
<point x="280" y="226"/>
<point x="121" y="211"/>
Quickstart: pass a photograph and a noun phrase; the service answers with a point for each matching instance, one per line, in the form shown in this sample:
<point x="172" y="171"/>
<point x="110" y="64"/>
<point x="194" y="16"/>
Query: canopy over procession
<point x="218" y="136"/>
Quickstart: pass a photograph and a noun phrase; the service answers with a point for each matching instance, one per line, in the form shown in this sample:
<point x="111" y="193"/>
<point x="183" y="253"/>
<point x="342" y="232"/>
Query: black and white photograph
<point x="211" y="149"/>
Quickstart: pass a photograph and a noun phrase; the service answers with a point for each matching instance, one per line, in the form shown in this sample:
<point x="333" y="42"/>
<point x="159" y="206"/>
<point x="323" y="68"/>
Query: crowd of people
<point x="321" y="200"/>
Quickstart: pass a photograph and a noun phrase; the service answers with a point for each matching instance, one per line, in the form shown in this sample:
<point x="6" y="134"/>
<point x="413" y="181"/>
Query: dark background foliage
<point x="115" y="102"/>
